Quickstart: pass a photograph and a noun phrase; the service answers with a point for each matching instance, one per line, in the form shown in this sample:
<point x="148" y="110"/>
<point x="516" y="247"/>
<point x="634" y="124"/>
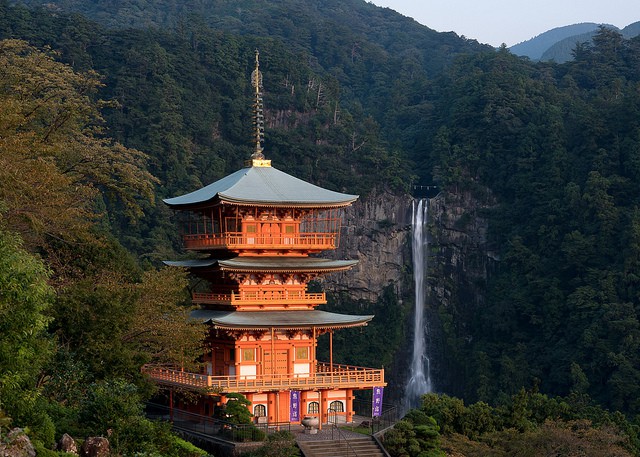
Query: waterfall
<point x="420" y="378"/>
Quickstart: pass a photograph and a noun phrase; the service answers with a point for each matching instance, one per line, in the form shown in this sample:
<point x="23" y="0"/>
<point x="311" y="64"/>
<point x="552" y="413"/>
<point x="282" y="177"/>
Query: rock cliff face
<point x="377" y="232"/>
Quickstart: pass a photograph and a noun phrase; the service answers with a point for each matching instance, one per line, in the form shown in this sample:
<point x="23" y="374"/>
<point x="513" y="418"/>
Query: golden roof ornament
<point x="257" y="158"/>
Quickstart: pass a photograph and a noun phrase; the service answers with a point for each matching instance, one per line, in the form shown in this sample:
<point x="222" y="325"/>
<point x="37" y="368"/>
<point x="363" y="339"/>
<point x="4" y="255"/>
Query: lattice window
<point x="336" y="406"/>
<point x="260" y="411"/>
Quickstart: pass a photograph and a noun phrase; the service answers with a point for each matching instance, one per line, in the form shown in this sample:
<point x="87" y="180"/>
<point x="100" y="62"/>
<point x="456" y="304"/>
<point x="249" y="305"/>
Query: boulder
<point x="17" y="444"/>
<point x="95" y="446"/>
<point x="67" y="444"/>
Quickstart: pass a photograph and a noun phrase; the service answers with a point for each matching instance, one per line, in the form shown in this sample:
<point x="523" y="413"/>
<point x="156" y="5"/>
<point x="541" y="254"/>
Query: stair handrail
<point x="381" y="446"/>
<point x="334" y="426"/>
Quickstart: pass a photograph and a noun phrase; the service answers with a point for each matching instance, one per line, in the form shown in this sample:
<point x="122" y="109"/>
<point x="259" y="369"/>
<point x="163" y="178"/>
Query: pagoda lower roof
<point x="267" y="264"/>
<point x="286" y="320"/>
<point x="265" y="186"/>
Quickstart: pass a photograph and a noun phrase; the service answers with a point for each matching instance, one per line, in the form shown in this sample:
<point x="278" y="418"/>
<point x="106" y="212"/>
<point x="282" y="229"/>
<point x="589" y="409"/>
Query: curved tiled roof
<point x="264" y="186"/>
<point x="248" y="320"/>
<point x="280" y="264"/>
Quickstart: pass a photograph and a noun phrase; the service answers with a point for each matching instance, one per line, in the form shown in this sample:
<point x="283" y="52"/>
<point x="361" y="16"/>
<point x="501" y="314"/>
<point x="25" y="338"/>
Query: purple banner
<point x="376" y="406"/>
<point x="294" y="406"/>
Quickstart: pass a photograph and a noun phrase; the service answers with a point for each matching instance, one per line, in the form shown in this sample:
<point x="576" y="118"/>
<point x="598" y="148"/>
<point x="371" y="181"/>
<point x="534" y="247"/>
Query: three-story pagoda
<point x="257" y="228"/>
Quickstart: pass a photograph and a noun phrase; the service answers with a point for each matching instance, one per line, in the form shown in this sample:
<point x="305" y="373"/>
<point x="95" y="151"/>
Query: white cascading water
<point x="420" y="378"/>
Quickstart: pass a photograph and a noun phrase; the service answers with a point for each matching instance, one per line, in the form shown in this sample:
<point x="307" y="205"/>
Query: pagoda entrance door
<point x="271" y="233"/>
<point x="276" y="362"/>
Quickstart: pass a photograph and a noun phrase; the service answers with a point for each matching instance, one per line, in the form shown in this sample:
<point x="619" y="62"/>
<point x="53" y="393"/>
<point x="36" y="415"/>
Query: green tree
<point x="415" y="435"/>
<point x="236" y="409"/>
<point x="25" y="346"/>
<point x="54" y="157"/>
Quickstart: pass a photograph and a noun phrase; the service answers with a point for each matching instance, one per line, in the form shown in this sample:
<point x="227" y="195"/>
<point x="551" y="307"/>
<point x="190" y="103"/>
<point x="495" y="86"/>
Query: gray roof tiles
<point x="279" y="319"/>
<point x="264" y="185"/>
<point x="301" y="264"/>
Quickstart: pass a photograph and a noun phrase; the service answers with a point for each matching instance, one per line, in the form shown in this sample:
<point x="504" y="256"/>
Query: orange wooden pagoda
<point x="257" y="228"/>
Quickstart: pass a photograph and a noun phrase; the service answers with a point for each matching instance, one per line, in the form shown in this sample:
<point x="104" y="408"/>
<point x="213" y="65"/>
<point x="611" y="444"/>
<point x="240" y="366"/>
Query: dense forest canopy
<point x="100" y="120"/>
<point x="557" y="146"/>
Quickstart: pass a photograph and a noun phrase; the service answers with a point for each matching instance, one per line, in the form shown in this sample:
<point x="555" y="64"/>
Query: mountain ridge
<point x="305" y="23"/>
<point x="558" y="43"/>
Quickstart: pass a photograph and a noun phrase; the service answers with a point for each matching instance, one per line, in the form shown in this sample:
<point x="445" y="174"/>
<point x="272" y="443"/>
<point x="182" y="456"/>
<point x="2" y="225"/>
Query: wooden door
<point x="270" y="233"/>
<point x="277" y="365"/>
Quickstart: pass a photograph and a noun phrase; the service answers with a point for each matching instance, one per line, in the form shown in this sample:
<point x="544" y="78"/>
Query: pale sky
<point x="512" y="21"/>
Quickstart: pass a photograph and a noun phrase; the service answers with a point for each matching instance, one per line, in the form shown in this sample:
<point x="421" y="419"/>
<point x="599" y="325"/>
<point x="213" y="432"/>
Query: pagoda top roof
<point x="279" y="264"/>
<point x="289" y="320"/>
<point x="261" y="184"/>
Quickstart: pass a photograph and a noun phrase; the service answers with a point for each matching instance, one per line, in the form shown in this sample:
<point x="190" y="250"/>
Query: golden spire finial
<point x="258" y="115"/>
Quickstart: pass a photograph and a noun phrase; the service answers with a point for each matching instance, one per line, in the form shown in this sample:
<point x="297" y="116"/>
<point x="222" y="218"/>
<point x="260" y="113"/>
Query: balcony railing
<point x="341" y="376"/>
<point x="261" y="298"/>
<point x="239" y="240"/>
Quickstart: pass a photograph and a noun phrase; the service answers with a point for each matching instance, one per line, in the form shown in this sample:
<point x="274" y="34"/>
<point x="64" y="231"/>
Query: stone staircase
<point x="352" y="447"/>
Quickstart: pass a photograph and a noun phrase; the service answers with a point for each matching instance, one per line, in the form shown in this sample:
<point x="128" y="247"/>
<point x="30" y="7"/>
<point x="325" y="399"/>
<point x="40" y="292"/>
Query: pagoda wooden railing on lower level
<point x="282" y="241"/>
<point x="326" y="377"/>
<point x="261" y="298"/>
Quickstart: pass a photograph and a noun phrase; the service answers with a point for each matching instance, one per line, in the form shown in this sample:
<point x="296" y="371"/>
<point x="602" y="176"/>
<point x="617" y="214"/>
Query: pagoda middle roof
<point x="266" y="186"/>
<point x="249" y="320"/>
<point x="280" y="264"/>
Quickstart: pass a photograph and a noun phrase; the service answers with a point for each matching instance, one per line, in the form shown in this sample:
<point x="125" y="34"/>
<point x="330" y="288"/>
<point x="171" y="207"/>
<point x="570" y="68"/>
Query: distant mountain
<point x="632" y="30"/>
<point x="537" y="46"/>
<point x="558" y="44"/>
<point x="562" y="51"/>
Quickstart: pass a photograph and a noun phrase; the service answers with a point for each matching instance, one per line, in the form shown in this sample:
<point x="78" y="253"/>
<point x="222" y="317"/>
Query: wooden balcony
<point x="261" y="299"/>
<point x="326" y="377"/>
<point x="313" y="242"/>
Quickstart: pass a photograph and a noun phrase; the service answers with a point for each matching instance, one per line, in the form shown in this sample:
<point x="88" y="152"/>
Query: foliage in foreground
<point x="78" y="317"/>
<point x="278" y="444"/>
<point x="529" y="424"/>
<point x="415" y="435"/>
<point x="25" y="346"/>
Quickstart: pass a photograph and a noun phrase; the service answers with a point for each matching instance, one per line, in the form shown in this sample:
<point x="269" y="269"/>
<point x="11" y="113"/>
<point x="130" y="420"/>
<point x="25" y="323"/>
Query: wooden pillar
<point x="314" y="361"/>
<point x="304" y="403"/>
<point x="331" y="351"/>
<point x="273" y="349"/>
<point x="271" y="404"/>
<point x="324" y="398"/>
<point x="290" y="362"/>
<point x="349" y="405"/>
<point x="171" y="405"/>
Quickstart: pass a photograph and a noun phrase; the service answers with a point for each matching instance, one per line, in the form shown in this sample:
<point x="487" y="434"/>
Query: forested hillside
<point x="100" y="120"/>
<point x="558" y="147"/>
